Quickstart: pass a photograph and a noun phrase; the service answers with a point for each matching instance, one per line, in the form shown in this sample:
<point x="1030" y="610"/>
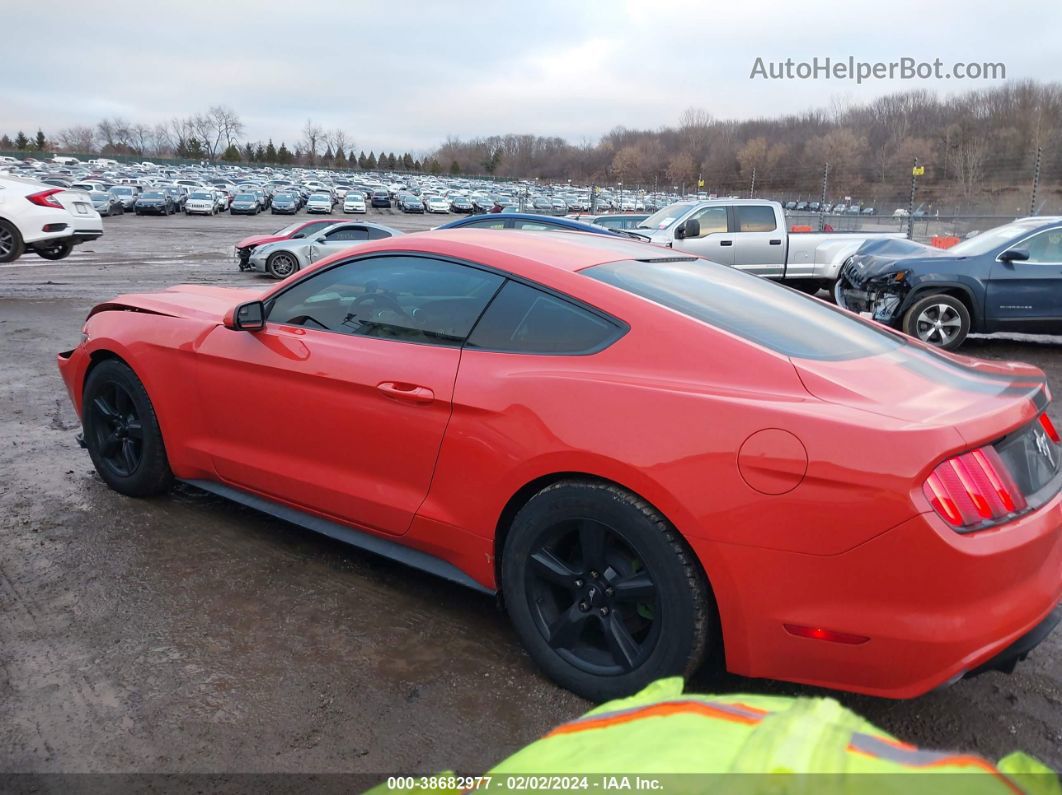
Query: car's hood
<point x="193" y="301"/>
<point x="258" y="240"/>
<point x="922" y="385"/>
<point x="879" y="256"/>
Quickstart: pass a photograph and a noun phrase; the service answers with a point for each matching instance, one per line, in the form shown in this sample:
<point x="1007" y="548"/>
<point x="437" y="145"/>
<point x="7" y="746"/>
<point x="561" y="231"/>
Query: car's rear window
<point x="748" y="306"/>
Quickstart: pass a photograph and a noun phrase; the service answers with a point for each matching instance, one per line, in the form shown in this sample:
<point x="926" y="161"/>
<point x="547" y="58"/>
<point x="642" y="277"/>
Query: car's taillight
<point x="973" y="488"/>
<point x="46" y="198"/>
<point x="1049" y="427"/>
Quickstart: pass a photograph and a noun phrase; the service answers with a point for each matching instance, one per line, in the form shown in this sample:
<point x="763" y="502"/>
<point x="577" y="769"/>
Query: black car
<point x="157" y="202"/>
<point x="459" y="204"/>
<point x="408" y="203"/>
<point x="380" y="198"/>
<point x="1006" y="279"/>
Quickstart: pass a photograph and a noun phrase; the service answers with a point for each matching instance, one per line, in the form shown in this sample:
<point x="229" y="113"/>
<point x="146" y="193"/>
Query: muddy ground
<point x="187" y="634"/>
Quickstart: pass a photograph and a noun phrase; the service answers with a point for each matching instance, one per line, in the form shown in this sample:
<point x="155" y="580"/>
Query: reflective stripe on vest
<point x="877" y="747"/>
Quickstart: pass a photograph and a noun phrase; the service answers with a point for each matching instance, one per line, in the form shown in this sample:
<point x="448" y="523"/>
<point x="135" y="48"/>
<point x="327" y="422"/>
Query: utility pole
<point x="916" y="170"/>
<point x="752" y="187"/>
<point x="822" y="204"/>
<point x="1036" y="182"/>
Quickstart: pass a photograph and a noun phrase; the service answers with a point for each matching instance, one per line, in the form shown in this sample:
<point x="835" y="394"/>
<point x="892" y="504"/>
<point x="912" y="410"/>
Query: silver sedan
<point x="285" y="257"/>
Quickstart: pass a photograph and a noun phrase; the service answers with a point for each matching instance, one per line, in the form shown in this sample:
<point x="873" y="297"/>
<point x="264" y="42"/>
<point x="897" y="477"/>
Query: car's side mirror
<point x="1014" y="255"/>
<point x="692" y="228"/>
<point x="321" y="239"/>
<point x="246" y="317"/>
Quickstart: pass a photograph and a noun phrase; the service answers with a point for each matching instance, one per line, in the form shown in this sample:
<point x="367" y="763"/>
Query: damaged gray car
<point x="1008" y="279"/>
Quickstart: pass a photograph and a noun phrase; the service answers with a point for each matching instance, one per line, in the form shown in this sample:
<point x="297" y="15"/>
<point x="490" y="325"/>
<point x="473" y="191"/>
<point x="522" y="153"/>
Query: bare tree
<point x="337" y="140"/>
<point x="312" y="135"/>
<point x="79" y="138"/>
<point x="217" y="129"/>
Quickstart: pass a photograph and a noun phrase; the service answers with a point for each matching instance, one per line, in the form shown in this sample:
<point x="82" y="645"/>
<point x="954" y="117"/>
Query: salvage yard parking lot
<point x="151" y="634"/>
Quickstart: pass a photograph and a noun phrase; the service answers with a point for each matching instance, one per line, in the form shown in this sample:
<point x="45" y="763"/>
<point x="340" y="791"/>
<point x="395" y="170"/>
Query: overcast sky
<point x="403" y="76"/>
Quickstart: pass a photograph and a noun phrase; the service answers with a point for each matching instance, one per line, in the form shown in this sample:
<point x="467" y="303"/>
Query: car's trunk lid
<point x="982" y="400"/>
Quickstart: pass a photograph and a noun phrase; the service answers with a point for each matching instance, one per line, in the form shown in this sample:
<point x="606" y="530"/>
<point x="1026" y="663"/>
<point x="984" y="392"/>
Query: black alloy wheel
<point x="118" y="435"/>
<point x="593" y="599"/>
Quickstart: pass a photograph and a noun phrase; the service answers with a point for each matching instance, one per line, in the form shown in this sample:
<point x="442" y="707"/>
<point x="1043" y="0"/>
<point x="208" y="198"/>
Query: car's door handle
<point x="726" y="242"/>
<point x="408" y="393"/>
<point x="775" y="242"/>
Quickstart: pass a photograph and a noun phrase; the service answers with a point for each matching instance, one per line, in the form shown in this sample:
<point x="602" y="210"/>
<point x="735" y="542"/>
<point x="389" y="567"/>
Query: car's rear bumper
<point x="935" y="605"/>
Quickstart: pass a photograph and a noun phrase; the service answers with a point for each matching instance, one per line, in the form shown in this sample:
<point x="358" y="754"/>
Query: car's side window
<point x="712" y="220"/>
<point x="535" y="226"/>
<point x="492" y="224"/>
<point x="348" y="233"/>
<point x="1045" y="247"/>
<point x="523" y="319"/>
<point x="755" y="218"/>
<point x="402" y="297"/>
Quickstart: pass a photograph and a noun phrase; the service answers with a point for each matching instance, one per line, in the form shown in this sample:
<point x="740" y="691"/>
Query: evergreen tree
<point x="248" y="152"/>
<point x="416" y="166"/>
<point x="283" y="155"/>
<point x="259" y="153"/>
<point x="6" y="143"/>
<point x="370" y="162"/>
<point x="362" y="160"/>
<point x="407" y="161"/>
<point x="435" y="167"/>
<point x="40" y="143"/>
<point x="341" y="158"/>
<point x="232" y="154"/>
<point x="392" y="161"/>
<point x="454" y="168"/>
<point x="271" y="152"/>
<point x="193" y="148"/>
<point x="21" y="141"/>
<point x="328" y="157"/>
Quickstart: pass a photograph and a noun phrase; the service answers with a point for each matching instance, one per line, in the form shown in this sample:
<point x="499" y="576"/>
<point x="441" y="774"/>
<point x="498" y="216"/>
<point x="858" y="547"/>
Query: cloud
<point x="405" y="77"/>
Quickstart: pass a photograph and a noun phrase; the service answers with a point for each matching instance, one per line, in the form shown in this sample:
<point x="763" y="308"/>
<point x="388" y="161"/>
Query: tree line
<point x="974" y="145"/>
<point x="217" y="134"/>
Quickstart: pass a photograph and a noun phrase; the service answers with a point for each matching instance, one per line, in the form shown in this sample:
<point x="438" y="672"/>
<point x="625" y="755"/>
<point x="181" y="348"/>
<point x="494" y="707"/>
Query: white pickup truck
<point x="751" y="235"/>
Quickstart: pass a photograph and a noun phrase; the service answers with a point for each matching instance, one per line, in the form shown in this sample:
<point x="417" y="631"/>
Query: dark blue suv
<point x="1006" y="279"/>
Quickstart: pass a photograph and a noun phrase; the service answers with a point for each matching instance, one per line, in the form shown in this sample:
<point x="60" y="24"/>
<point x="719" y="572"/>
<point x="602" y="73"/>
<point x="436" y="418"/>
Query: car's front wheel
<point x="603" y="592"/>
<point x="122" y="432"/>
<point x="281" y="265"/>
<point x="941" y="320"/>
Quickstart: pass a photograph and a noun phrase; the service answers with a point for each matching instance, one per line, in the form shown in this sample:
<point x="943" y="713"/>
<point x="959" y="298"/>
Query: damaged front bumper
<point x="880" y="296"/>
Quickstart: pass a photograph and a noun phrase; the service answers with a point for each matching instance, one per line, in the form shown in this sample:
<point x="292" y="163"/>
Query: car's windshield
<point x="750" y="307"/>
<point x="122" y="190"/>
<point x="245" y="197"/>
<point x="990" y="240"/>
<point x="662" y="219"/>
<point x="283" y="197"/>
<point x="199" y="196"/>
<point x="318" y="197"/>
<point x="153" y="194"/>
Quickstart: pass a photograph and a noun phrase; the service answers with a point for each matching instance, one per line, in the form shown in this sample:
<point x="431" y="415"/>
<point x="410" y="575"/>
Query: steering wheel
<point x="379" y="301"/>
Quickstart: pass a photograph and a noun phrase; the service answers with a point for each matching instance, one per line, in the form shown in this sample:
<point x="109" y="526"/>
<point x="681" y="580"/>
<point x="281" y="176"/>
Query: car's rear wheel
<point x="941" y="320"/>
<point x="122" y="432"/>
<point x="602" y="591"/>
<point x="281" y="265"/>
<point x="11" y="244"/>
<point x="57" y="251"/>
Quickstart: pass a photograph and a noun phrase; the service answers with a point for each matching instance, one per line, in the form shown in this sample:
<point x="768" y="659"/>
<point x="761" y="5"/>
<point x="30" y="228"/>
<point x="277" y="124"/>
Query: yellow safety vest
<point x="751" y="744"/>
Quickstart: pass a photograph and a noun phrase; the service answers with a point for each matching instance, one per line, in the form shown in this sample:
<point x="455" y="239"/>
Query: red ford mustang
<point x="295" y="231"/>
<point x="654" y="459"/>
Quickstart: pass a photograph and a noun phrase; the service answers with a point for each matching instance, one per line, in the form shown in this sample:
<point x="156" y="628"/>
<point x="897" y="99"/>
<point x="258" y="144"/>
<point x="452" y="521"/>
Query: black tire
<point x="12" y="246"/>
<point x="58" y="251"/>
<point x="282" y="264"/>
<point x="611" y="641"/>
<point x="939" y="319"/>
<point x="122" y="432"/>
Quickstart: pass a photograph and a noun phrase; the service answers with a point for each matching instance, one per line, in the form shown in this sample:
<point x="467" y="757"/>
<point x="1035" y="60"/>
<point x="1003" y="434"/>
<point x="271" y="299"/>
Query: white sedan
<point x="354" y="202"/>
<point x="437" y="204"/>
<point x="44" y="219"/>
<point x="319" y="203"/>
